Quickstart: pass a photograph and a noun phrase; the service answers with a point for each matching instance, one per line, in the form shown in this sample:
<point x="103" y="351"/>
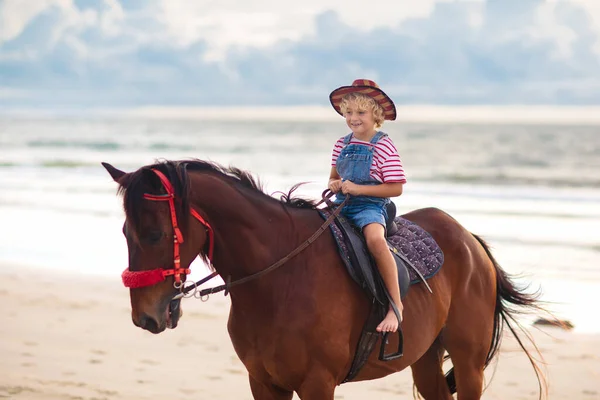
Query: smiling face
<point x="363" y="115"/>
<point x="361" y="122"/>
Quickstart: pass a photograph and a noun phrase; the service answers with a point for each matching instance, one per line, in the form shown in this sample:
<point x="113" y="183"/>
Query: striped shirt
<point x="386" y="166"/>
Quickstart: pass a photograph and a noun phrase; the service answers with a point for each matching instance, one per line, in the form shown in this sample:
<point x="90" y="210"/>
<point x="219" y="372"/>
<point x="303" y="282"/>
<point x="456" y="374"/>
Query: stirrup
<point x="400" y="352"/>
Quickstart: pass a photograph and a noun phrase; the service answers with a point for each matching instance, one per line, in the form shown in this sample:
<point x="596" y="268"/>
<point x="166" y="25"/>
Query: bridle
<point x="138" y="279"/>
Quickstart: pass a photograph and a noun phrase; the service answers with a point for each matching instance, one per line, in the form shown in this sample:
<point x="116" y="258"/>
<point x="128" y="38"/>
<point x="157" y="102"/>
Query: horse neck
<point x="251" y="231"/>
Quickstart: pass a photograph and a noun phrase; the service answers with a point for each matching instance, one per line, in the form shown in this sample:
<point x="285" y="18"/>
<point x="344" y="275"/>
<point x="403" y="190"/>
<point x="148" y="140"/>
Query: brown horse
<point x="295" y="328"/>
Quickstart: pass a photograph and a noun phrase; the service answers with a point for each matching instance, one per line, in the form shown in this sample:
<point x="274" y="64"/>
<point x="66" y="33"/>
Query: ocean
<point x="532" y="190"/>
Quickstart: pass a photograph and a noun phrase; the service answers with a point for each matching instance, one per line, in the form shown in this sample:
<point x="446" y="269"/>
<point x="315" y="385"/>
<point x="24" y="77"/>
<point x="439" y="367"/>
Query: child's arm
<point x="335" y="181"/>
<point x="383" y="190"/>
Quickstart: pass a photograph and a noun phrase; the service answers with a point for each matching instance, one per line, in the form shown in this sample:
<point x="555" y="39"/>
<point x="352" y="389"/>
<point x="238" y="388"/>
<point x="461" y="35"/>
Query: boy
<point x="366" y="166"/>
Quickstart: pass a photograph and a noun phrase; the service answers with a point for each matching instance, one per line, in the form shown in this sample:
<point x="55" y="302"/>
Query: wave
<point x="62" y="209"/>
<point x="595" y="247"/>
<point x="66" y="164"/>
<point x="525" y="213"/>
<point x="505" y="180"/>
<point x="498" y="238"/>
<point x="100" y="145"/>
<point x="60" y="163"/>
<point x="459" y="178"/>
<point x="168" y="146"/>
<point x="107" y="146"/>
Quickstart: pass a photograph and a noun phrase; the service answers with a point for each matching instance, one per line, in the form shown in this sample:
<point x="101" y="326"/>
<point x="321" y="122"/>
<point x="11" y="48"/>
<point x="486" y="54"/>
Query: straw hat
<point x="366" y="87"/>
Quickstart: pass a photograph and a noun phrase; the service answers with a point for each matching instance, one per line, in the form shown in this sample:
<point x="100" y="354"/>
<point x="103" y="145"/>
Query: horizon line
<point x="417" y="113"/>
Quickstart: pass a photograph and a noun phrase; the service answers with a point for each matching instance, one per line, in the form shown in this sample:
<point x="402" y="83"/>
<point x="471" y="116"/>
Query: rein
<point x="137" y="279"/>
<point x="229" y="284"/>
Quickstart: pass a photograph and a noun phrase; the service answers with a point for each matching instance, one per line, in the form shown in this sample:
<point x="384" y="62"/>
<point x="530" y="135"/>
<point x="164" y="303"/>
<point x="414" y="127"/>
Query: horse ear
<point x="115" y="173"/>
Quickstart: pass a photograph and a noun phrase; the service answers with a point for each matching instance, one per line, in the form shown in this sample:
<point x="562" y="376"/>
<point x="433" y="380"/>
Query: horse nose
<point x="146" y="322"/>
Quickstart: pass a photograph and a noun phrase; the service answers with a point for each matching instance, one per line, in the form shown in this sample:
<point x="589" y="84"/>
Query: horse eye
<point x="153" y="237"/>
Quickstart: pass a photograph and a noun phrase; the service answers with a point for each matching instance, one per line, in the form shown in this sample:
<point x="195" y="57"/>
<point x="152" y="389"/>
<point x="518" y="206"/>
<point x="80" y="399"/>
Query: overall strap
<point x="347" y="138"/>
<point x="378" y="136"/>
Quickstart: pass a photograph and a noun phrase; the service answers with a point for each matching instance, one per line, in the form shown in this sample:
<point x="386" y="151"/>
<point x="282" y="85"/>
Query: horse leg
<point x="468" y="343"/>
<point x="261" y="391"/>
<point x="428" y="374"/>
<point x="319" y="385"/>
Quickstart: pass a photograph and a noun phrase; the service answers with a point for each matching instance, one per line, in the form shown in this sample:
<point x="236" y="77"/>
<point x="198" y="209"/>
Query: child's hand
<point x="335" y="185"/>
<point x="350" y="188"/>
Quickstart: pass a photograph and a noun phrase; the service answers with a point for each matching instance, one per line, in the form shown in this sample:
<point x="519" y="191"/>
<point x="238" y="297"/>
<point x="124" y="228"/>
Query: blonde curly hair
<point x="363" y="103"/>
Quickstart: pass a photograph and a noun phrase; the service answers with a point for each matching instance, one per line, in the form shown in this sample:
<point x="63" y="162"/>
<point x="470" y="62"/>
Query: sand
<point x="71" y="337"/>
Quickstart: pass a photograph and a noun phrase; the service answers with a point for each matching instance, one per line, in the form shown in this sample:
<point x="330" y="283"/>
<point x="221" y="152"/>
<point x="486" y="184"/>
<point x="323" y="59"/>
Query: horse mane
<point x="133" y="186"/>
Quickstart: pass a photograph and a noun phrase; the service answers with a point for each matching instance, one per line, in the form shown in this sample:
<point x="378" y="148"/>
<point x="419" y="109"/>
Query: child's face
<point x="360" y="121"/>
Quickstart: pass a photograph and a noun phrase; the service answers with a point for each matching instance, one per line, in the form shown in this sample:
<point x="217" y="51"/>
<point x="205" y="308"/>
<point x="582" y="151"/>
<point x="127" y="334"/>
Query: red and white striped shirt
<point x="386" y="166"/>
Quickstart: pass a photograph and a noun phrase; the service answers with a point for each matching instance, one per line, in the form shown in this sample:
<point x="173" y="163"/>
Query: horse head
<point x="161" y="239"/>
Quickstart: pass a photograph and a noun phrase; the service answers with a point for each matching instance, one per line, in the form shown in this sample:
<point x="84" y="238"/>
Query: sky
<point x="129" y="53"/>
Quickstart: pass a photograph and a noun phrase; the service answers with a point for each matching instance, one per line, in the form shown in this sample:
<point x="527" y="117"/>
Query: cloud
<point x="461" y="53"/>
<point x="108" y="53"/>
<point x="15" y="15"/>
<point x="262" y="23"/>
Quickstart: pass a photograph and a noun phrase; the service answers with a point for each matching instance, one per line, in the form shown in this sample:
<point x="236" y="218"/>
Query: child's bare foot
<point x="390" y="322"/>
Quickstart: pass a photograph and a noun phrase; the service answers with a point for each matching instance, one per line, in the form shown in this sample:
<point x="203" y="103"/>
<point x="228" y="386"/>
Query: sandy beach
<point x="71" y="337"/>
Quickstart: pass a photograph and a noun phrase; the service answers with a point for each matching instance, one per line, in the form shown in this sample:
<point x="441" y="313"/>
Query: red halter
<point x="137" y="279"/>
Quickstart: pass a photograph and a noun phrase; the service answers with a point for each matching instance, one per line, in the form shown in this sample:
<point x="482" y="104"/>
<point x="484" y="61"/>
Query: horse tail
<point x="511" y="302"/>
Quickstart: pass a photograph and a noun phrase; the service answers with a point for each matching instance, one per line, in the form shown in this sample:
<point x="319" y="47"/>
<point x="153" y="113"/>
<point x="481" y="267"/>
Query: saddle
<point x="417" y="256"/>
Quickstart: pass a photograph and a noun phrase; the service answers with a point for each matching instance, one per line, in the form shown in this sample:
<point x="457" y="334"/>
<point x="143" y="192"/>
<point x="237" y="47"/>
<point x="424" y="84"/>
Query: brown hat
<point x="366" y="87"/>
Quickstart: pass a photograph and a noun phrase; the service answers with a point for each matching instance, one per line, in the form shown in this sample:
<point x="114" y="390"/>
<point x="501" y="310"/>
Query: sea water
<point x="531" y="190"/>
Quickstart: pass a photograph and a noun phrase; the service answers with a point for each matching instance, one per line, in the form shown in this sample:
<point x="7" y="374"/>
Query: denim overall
<point x="354" y="164"/>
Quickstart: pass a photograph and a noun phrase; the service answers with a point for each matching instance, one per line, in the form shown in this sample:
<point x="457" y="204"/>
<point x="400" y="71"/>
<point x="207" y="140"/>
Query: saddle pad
<point x="416" y="245"/>
<point x="419" y="247"/>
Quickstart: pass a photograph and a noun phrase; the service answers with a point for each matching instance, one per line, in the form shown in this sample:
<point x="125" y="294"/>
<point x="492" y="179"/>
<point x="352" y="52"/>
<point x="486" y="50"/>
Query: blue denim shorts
<point x="362" y="214"/>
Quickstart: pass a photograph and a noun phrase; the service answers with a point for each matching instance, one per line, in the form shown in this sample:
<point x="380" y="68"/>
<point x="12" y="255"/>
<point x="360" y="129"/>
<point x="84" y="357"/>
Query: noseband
<point x="137" y="279"/>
